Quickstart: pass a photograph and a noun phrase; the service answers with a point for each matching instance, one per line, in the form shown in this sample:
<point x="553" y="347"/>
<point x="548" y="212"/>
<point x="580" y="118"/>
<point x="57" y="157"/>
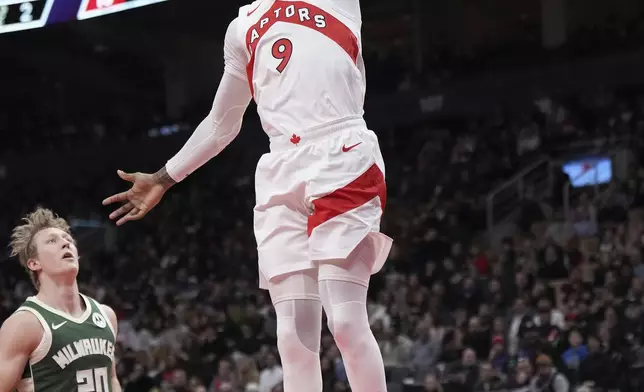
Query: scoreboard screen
<point x="94" y="8"/>
<point x="22" y="15"/>
<point x="16" y="15"/>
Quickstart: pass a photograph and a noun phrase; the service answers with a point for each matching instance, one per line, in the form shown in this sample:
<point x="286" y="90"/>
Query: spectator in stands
<point x="424" y="352"/>
<point x="547" y="377"/>
<point x="431" y="384"/>
<point x="574" y="355"/>
<point x="138" y="380"/>
<point x="521" y="377"/>
<point x="225" y="378"/>
<point x="530" y="343"/>
<point x="463" y="376"/>
<point x="247" y="373"/>
<point x="395" y="348"/>
<point x="595" y="366"/>
<point x="518" y="318"/>
<point x="498" y="356"/>
<point x="489" y="379"/>
<point x="272" y="374"/>
<point x="552" y="263"/>
<point x="478" y="337"/>
<point x="179" y="381"/>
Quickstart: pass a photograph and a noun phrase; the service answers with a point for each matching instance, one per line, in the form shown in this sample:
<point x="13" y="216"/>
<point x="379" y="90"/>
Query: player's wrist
<point x="162" y="178"/>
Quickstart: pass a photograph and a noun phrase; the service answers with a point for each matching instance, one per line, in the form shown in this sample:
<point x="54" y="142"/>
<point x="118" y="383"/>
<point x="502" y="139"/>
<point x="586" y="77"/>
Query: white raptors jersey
<point x="304" y="62"/>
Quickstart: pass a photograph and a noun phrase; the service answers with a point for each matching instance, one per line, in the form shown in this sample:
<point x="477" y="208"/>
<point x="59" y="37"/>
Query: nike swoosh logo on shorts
<point x="56" y="326"/>
<point x="347" y="149"/>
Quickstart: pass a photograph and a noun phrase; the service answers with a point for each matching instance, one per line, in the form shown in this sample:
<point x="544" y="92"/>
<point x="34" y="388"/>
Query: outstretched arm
<point x="224" y="121"/>
<point x="212" y="135"/>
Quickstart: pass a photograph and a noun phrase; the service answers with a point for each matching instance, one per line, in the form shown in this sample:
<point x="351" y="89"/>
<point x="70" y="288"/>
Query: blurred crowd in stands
<point x="546" y="309"/>
<point x="553" y="307"/>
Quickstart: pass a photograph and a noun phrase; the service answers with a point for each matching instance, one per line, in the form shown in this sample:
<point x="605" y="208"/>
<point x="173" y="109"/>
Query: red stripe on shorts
<point x="314" y="18"/>
<point x="359" y="192"/>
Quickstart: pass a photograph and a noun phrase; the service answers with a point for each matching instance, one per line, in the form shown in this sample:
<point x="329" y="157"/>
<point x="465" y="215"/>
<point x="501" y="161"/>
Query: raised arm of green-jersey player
<point x="116" y="386"/>
<point x="20" y="335"/>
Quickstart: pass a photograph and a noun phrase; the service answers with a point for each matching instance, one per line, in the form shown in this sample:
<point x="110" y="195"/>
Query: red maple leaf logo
<point x="295" y="139"/>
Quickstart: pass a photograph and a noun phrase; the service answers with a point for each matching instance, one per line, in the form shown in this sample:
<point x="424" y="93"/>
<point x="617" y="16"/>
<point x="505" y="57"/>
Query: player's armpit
<point x="19" y="336"/>
<point x="216" y="131"/>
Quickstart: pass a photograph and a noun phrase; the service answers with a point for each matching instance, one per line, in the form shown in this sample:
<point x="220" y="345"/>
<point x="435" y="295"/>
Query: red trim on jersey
<point x="333" y="29"/>
<point x="359" y="192"/>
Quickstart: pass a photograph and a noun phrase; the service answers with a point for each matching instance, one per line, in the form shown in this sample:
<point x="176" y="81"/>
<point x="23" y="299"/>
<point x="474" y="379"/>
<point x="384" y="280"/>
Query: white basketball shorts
<point x="319" y="195"/>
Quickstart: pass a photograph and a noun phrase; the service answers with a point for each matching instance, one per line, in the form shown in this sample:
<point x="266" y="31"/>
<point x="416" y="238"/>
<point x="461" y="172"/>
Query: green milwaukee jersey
<point x="75" y="354"/>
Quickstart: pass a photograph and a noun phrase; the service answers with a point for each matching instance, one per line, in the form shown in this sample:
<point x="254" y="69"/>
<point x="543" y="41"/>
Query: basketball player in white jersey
<point x="321" y="188"/>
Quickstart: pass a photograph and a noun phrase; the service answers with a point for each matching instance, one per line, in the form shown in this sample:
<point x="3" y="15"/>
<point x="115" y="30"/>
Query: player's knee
<point x="289" y="342"/>
<point x="349" y="324"/>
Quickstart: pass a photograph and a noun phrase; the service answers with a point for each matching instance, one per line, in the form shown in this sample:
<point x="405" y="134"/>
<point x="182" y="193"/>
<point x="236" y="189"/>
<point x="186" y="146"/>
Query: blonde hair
<point x="247" y="370"/>
<point x="23" y="235"/>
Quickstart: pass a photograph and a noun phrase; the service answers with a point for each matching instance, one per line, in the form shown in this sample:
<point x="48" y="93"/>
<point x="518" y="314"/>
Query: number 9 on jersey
<point x="282" y="50"/>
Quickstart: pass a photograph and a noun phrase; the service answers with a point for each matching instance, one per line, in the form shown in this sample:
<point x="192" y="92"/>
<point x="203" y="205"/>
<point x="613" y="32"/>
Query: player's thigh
<point x="282" y="230"/>
<point x="343" y="286"/>
<point x="345" y="216"/>
<point x="299" y="285"/>
<point x="356" y="268"/>
<point x="282" y="242"/>
<point x="298" y="309"/>
<point x="348" y="196"/>
<point x="280" y="218"/>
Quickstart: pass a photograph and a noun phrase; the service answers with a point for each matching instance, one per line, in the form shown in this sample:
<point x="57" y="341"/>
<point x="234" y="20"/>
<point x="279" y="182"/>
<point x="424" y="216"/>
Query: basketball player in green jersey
<point x="58" y="340"/>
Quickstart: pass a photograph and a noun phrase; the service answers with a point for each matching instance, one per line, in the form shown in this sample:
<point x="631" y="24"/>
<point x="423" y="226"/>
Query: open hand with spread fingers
<point x="146" y="192"/>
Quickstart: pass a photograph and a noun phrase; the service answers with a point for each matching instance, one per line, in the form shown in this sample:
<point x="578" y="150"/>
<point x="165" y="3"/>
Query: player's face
<point x="56" y="253"/>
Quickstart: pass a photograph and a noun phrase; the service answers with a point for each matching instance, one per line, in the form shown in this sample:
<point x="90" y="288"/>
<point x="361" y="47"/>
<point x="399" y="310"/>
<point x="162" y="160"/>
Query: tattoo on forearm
<point x="162" y="177"/>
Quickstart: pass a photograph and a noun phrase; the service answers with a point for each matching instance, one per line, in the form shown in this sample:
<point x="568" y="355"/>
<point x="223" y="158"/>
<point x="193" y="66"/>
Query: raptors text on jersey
<point x="303" y="14"/>
<point x="303" y="62"/>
